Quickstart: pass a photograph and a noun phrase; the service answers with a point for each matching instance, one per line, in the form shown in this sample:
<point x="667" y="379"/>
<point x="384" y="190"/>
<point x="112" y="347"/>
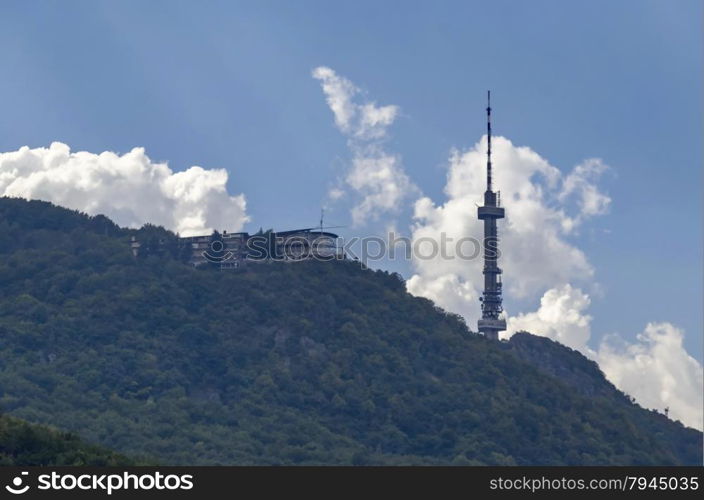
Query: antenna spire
<point x="488" y="134"/>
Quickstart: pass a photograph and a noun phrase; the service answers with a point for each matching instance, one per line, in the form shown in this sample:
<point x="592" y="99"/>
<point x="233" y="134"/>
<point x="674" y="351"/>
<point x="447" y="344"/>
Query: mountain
<point x="570" y="366"/>
<point x="285" y="363"/>
<point x="24" y="444"/>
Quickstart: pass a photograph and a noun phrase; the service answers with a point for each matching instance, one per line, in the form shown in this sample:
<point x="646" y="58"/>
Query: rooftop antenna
<point x="488" y="133"/>
<point x="321" y="227"/>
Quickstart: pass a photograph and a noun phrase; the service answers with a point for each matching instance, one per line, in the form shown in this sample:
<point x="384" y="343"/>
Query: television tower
<point x="491" y="324"/>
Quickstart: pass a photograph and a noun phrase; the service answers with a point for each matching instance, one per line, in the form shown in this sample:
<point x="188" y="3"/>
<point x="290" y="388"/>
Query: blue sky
<point x="228" y="85"/>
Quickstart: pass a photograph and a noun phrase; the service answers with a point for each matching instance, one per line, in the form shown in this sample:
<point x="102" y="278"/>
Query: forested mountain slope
<point x="24" y="444"/>
<point x="303" y="363"/>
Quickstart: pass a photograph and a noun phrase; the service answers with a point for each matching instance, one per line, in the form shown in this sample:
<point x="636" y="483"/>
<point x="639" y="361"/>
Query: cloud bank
<point x="376" y="176"/>
<point x="131" y="189"/>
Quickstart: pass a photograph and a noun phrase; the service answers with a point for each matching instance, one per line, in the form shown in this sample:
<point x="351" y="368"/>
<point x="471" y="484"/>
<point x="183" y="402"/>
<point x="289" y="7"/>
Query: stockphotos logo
<point x="17" y="488"/>
<point x="107" y="483"/>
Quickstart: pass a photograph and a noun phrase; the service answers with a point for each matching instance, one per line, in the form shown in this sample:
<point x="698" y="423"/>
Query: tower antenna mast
<point x="491" y="322"/>
<point x="488" y="135"/>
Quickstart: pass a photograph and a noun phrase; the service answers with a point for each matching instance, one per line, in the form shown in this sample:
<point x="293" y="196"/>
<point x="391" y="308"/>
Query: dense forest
<point x="274" y="363"/>
<point x="23" y="444"/>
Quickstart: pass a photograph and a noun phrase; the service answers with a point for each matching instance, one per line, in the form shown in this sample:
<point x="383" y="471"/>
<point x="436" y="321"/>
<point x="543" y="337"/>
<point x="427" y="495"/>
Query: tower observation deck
<point x="491" y="323"/>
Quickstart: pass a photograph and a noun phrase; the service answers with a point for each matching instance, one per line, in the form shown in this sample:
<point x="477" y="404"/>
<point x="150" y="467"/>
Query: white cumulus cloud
<point x="365" y="121"/>
<point x="657" y="371"/>
<point x="581" y="182"/>
<point x="561" y="317"/>
<point x="376" y="176"/>
<point x="131" y="189"/>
